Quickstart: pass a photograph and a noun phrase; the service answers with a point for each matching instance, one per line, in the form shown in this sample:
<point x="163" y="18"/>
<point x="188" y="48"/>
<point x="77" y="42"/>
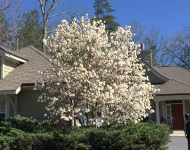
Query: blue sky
<point x="169" y="15"/>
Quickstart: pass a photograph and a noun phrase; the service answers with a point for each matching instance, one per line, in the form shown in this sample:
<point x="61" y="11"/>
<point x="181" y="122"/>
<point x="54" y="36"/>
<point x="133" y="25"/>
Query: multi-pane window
<point x="174" y="102"/>
<point x="2" y="110"/>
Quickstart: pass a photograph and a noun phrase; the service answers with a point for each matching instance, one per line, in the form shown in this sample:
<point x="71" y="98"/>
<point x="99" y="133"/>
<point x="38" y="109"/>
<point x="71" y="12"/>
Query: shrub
<point x="23" y="123"/>
<point x="36" y="135"/>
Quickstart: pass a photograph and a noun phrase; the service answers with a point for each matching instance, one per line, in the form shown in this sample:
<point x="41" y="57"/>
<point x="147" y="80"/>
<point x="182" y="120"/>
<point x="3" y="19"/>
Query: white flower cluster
<point x="94" y="77"/>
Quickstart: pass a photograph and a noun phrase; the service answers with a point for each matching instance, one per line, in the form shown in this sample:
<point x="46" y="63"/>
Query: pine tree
<point x="103" y="11"/>
<point x="31" y="30"/>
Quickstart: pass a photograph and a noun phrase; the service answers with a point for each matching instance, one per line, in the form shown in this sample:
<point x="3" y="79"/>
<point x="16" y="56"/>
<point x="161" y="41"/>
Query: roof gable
<point x="11" y="54"/>
<point x="27" y="72"/>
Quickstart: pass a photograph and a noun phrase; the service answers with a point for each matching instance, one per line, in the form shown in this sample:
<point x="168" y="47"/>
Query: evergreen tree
<point x="103" y="11"/>
<point x="31" y="30"/>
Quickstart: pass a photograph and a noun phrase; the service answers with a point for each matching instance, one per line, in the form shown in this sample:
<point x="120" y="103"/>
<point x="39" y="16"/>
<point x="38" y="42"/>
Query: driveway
<point x="178" y="141"/>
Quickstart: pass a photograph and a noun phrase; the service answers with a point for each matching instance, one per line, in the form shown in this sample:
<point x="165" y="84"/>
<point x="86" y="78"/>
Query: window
<point x="2" y="110"/>
<point x="168" y="114"/>
<point x="174" y="102"/>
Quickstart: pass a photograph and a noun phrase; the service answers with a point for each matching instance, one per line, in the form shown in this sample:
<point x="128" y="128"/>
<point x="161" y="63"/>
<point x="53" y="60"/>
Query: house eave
<point x="154" y="71"/>
<point x="172" y="94"/>
<point x="9" y="92"/>
<point x="6" y="54"/>
<point x="15" y="57"/>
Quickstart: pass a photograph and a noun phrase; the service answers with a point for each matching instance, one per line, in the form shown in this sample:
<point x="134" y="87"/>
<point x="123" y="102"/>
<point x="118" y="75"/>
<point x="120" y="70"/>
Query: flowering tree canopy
<point x="94" y="77"/>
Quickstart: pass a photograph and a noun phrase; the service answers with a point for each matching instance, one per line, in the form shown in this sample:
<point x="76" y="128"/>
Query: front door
<point x="177" y="116"/>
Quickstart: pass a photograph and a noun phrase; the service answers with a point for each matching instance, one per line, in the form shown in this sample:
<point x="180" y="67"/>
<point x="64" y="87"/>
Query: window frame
<point x="3" y="112"/>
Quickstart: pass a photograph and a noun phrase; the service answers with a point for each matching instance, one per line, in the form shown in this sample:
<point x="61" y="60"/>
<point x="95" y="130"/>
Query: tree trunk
<point x="44" y="34"/>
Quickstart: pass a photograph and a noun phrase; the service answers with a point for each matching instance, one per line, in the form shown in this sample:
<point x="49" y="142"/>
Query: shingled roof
<point x="26" y="73"/>
<point x="178" y="80"/>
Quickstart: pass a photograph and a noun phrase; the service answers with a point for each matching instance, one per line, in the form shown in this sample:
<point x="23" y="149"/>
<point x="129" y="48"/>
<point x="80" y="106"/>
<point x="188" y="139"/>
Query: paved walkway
<point x="178" y="141"/>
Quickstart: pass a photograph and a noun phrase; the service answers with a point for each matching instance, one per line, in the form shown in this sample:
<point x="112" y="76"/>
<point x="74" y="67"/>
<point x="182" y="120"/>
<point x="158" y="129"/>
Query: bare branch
<point x="51" y="8"/>
<point x="62" y="2"/>
<point x="54" y="15"/>
<point x="6" y="6"/>
<point x="41" y="6"/>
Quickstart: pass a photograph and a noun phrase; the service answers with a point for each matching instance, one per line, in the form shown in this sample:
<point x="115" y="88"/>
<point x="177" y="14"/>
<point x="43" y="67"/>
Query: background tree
<point x="30" y="32"/>
<point x="94" y="78"/>
<point x="10" y="19"/>
<point x="6" y="23"/>
<point x="138" y="30"/>
<point x="103" y="12"/>
<point x="5" y="4"/>
<point x="48" y="11"/>
<point x="152" y="39"/>
<point x="5" y="29"/>
<point x="176" y="49"/>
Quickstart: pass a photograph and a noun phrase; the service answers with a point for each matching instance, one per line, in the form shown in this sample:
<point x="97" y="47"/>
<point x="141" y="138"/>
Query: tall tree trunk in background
<point x="47" y="14"/>
<point x="44" y="34"/>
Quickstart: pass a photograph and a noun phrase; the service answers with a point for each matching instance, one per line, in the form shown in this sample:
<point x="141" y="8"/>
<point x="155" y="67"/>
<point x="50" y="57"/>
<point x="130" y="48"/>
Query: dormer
<point x="8" y="62"/>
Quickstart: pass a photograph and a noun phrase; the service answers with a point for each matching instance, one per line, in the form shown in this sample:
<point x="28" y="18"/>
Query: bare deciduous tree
<point x="5" y="4"/>
<point x="138" y="30"/>
<point x="6" y="22"/>
<point x="48" y="11"/>
<point x="176" y="49"/>
<point x="152" y="39"/>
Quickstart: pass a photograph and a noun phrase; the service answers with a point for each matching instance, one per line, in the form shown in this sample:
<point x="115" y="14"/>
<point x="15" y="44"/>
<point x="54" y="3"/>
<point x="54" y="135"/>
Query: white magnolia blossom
<point x="94" y="77"/>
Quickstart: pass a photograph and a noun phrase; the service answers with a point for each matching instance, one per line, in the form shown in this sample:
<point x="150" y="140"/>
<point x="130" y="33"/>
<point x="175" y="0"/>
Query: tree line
<point x="18" y="29"/>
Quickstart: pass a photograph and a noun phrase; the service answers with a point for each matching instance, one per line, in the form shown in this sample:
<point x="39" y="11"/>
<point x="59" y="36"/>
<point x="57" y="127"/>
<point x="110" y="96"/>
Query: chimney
<point x="142" y="46"/>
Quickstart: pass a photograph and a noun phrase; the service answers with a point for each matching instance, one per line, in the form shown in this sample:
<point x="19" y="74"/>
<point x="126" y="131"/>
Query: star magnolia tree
<point x="94" y="77"/>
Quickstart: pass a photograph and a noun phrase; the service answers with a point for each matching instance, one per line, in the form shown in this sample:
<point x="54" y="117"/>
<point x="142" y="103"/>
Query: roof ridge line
<point x="173" y="80"/>
<point x="154" y="70"/>
<point x="182" y="68"/>
<point x="173" y="66"/>
<point x="39" y="52"/>
<point x="180" y="82"/>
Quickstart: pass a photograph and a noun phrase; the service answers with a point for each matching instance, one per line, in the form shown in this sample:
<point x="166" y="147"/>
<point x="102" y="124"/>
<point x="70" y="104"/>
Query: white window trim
<point x="2" y="67"/>
<point x="169" y="114"/>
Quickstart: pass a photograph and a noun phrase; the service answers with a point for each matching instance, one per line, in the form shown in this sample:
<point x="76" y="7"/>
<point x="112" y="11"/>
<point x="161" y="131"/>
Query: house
<point x="19" y="72"/>
<point x="172" y="102"/>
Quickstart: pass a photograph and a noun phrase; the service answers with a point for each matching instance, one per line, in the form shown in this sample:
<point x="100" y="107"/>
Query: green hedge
<point x="21" y="133"/>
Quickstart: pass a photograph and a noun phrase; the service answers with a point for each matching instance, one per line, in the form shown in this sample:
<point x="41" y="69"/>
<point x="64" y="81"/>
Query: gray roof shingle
<point x="27" y="72"/>
<point x="173" y="87"/>
<point x="178" y="83"/>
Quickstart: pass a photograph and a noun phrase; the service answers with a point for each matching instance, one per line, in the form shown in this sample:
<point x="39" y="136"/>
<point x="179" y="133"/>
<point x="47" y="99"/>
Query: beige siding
<point x="0" y="67"/>
<point x="28" y="105"/>
<point x="153" y="78"/>
<point x="187" y="106"/>
<point x="153" y="115"/>
<point x="8" y="67"/>
<point x="11" y="111"/>
<point x="145" y="55"/>
<point x="161" y="109"/>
